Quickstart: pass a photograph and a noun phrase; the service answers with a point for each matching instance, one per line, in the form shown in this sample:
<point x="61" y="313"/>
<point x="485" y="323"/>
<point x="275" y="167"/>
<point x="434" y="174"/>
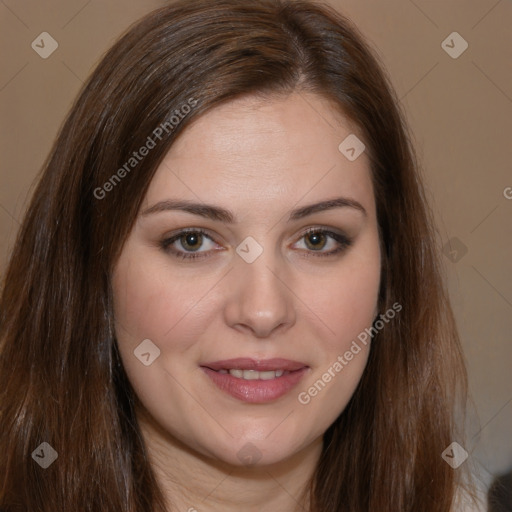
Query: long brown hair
<point x="61" y="379"/>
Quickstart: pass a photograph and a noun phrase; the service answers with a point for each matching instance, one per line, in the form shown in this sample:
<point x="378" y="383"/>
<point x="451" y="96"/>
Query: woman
<point x="225" y="293"/>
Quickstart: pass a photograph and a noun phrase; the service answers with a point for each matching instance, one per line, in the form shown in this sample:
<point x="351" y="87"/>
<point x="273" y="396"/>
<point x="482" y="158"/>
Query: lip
<point x="256" y="391"/>
<point x="247" y="363"/>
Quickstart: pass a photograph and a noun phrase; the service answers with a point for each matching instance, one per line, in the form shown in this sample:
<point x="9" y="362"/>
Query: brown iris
<point x="315" y="240"/>
<point x="189" y="240"/>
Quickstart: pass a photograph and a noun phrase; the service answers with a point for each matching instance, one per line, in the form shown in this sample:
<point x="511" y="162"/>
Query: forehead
<point x="259" y="150"/>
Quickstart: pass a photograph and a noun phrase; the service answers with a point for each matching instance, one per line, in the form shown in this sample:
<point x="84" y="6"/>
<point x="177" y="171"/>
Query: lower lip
<point x="255" y="391"/>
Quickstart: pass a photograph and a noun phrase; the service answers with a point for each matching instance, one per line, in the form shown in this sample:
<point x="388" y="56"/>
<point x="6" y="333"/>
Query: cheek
<point x="348" y="309"/>
<point x="351" y="306"/>
<point x="347" y="305"/>
<point x="151" y="304"/>
<point x="347" y="301"/>
<point x="145" y="304"/>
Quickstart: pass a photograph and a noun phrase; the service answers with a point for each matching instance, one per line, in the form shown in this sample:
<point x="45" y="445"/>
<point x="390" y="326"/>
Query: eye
<point x="317" y="239"/>
<point x="190" y="240"/>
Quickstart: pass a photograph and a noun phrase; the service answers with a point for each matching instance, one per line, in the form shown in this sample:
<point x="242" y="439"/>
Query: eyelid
<point x="323" y="229"/>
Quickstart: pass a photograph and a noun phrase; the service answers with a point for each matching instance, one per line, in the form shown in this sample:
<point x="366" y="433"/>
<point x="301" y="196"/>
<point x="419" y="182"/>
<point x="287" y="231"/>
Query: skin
<point x="260" y="159"/>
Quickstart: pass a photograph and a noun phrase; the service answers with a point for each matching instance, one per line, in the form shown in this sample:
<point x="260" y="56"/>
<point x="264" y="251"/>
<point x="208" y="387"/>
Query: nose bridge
<point x="257" y="297"/>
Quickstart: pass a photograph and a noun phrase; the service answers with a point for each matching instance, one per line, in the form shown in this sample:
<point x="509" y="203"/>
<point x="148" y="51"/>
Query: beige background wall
<point x="460" y="111"/>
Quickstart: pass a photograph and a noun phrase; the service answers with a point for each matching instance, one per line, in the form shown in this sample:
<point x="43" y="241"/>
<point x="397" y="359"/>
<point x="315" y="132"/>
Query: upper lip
<point x="247" y="363"/>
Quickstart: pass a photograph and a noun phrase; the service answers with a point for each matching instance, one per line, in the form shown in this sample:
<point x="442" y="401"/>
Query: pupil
<point x="315" y="239"/>
<point x="192" y="239"/>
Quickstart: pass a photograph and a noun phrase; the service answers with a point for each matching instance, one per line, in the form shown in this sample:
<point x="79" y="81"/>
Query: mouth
<point x="255" y="381"/>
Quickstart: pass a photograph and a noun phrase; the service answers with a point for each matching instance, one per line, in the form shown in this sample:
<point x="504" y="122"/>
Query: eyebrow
<point x="221" y="214"/>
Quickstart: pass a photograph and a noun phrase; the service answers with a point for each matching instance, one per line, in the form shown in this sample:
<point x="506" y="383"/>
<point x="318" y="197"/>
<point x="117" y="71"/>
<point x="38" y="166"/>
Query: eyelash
<point x="343" y="241"/>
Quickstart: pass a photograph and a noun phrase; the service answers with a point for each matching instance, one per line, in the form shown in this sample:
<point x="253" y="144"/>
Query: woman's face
<point x="252" y="284"/>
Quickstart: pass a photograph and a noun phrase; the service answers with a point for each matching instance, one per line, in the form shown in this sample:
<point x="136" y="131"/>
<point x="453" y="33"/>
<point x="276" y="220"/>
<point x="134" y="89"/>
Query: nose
<point x="259" y="300"/>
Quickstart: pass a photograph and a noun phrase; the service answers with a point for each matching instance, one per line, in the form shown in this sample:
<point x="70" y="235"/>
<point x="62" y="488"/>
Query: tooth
<point x="254" y="375"/>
